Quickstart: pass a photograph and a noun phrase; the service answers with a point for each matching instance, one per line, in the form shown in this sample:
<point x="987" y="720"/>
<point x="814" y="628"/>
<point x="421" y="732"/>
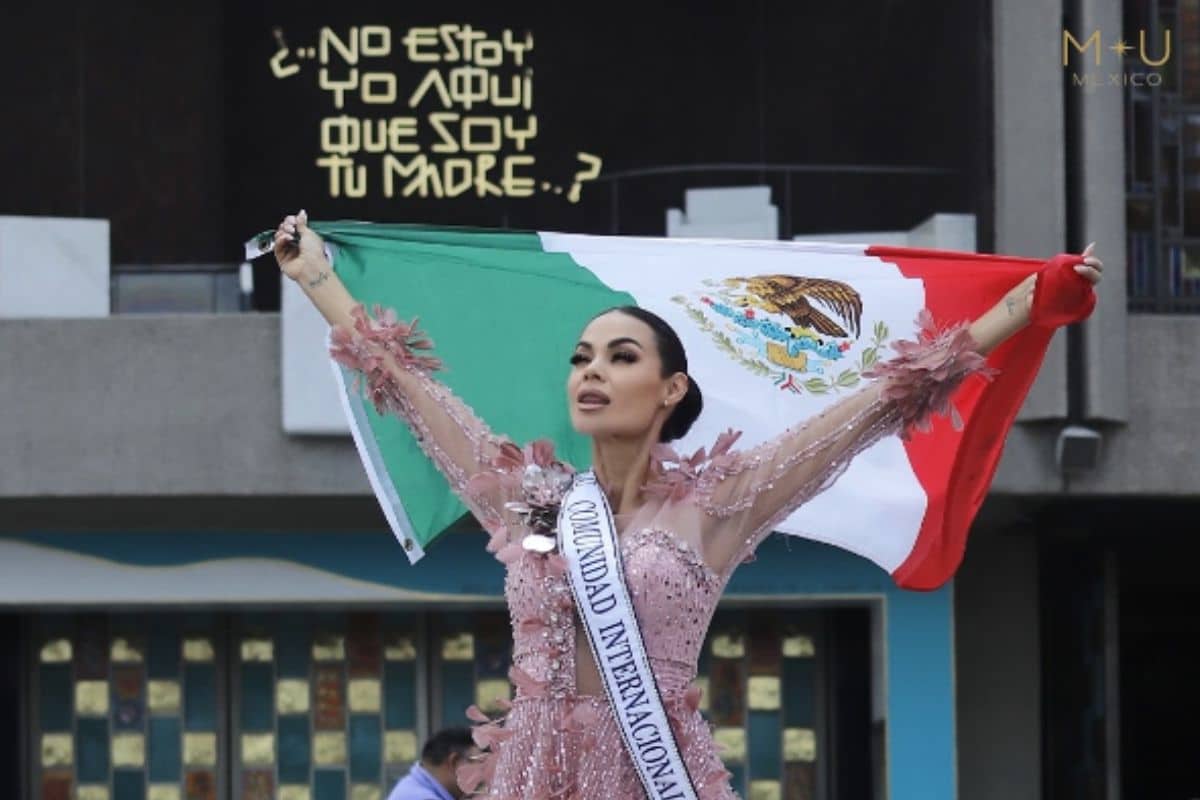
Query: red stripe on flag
<point x="955" y="468"/>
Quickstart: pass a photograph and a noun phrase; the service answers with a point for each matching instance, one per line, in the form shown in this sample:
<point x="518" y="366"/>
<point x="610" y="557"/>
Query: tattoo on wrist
<point x="1010" y="303"/>
<point x="317" y="281"/>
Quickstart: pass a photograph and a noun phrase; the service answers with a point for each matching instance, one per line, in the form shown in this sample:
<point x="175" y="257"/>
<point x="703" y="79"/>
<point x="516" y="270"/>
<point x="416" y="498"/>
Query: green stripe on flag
<point x="531" y="307"/>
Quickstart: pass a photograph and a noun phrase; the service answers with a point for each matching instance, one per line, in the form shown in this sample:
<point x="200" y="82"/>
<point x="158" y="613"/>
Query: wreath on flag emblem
<point x="797" y="331"/>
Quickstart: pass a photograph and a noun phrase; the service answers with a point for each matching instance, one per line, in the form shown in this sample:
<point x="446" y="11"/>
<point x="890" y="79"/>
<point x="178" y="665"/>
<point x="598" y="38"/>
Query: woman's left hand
<point x="1092" y="267"/>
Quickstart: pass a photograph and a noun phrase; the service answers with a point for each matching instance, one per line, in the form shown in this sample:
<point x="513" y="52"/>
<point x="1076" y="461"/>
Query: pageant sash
<point x="587" y="538"/>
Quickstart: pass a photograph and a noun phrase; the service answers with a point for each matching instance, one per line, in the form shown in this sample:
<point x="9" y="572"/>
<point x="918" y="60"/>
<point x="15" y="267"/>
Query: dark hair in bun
<point x="674" y="359"/>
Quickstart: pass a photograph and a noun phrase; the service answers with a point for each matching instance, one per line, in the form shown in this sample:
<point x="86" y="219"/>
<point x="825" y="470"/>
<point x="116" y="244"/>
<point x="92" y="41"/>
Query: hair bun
<point x="685" y="414"/>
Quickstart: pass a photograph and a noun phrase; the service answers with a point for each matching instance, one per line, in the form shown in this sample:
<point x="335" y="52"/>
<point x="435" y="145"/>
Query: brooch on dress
<point x="542" y="489"/>
<point x="543" y="481"/>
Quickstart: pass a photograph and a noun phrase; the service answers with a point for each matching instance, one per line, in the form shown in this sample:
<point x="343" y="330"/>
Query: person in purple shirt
<point x="433" y="777"/>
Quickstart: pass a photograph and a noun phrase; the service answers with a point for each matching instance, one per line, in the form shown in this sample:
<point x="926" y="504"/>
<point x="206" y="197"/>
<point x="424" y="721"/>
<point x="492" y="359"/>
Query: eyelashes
<point x="621" y="356"/>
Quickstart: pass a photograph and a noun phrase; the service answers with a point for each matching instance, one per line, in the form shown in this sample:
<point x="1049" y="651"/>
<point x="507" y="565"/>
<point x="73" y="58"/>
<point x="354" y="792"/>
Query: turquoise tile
<point x="798" y="689"/>
<point x="295" y="748"/>
<point x="199" y="622"/>
<point x="256" y="623"/>
<point x="293" y="650"/>
<point x="200" y="697"/>
<point x="163" y="652"/>
<point x="455" y="621"/>
<point x="763" y="749"/>
<point x="399" y="694"/>
<point x="398" y="621"/>
<point x="329" y="784"/>
<point x="91" y="750"/>
<point x="458" y="691"/>
<point x="257" y="697"/>
<point x="164" y="743"/>
<point x="365" y="748"/>
<point x="54" y="697"/>
<point x="329" y="621"/>
<point x="129" y="785"/>
<point x="737" y="778"/>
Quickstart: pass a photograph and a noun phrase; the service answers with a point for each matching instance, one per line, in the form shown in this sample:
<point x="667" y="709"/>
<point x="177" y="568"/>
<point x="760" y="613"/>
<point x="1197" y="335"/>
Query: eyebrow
<point x="614" y="343"/>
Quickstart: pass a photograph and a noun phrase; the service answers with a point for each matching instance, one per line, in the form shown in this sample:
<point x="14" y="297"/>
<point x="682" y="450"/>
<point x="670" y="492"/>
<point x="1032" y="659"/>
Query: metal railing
<point x="787" y="181"/>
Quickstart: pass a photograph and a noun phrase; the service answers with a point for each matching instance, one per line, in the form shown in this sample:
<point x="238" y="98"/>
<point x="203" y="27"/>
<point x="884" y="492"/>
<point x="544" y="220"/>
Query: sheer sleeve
<point x="752" y="491"/>
<point x="387" y="353"/>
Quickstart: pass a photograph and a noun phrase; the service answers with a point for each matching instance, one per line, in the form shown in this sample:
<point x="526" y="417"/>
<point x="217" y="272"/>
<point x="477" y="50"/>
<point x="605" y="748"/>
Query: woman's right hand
<point x="297" y="260"/>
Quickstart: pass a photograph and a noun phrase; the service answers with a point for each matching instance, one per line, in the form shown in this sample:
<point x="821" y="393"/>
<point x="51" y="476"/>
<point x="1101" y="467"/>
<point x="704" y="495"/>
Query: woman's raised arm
<point x="753" y="491"/>
<point x="388" y="355"/>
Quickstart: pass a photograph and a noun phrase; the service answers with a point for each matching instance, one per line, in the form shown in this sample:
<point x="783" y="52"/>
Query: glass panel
<point x="199" y="786"/>
<point x="129" y="786"/>
<point x="1191" y="175"/>
<point x="257" y="697"/>
<point x="166" y="756"/>
<point x="800" y="781"/>
<point x="1186" y="41"/>
<point x="91" y="662"/>
<point x="129" y="710"/>
<point x="200" y="697"/>
<point x="258" y="785"/>
<point x="329" y="785"/>
<point x="364" y="646"/>
<point x="294" y="750"/>
<point x="366" y="748"/>
<point x="293" y="647"/>
<point x="329" y="698"/>
<point x="162" y="654"/>
<point x="54" y="697"/>
<point x="56" y="786"/>
<point x="91" y="750"/>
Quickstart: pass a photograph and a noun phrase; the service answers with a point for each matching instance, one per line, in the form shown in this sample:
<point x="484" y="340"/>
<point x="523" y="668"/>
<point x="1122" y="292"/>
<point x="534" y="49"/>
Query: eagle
<point x="791" y="295"/>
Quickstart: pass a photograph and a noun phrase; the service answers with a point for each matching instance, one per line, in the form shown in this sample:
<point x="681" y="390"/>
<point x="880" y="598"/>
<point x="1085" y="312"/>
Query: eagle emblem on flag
<point x="797" y="331"/>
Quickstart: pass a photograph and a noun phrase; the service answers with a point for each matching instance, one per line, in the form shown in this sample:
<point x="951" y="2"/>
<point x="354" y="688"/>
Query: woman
<point x="681" y="531"/>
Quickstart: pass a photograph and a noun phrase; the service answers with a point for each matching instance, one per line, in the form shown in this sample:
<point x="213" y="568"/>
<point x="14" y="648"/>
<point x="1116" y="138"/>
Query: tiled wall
<point x="128" y="708"/>
<point x="326" y="705"/>
<point x="333" y="706"/>
<point x="760" y="677"/>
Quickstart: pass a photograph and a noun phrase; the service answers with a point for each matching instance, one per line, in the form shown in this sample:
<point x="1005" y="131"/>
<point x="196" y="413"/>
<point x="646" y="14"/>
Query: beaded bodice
<point x="674" y="594"/>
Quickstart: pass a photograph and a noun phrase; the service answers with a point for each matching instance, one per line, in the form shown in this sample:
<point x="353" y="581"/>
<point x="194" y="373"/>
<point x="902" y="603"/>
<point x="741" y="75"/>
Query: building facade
<point x="201" y="605"/>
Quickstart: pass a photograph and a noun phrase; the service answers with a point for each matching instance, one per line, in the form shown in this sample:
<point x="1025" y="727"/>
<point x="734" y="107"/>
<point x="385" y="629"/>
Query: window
<point x="1162" y="156"/>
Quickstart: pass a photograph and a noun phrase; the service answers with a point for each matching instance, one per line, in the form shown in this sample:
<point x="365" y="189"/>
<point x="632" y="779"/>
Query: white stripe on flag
<point x="656" y="270"/>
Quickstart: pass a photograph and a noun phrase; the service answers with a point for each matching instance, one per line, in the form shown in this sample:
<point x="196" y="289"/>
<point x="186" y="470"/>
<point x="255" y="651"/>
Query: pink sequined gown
<point x="698" y="522"/>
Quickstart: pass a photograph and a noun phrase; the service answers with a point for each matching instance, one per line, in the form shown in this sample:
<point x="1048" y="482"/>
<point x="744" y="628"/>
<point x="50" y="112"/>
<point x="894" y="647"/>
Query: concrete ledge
<point x="189" y="405"/>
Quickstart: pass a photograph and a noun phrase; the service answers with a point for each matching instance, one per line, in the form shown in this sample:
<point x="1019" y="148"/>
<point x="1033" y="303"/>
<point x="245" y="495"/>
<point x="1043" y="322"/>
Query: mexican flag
<point x="775" y="331"/>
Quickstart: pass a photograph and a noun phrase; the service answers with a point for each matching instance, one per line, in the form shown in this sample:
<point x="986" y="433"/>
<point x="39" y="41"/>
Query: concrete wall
<point x="156" y="405"/>
<point x="190" y="405"/>
<point x="997" y="665"/>
<point x="1028" y="159"/>
<point x="1159" y="451"/>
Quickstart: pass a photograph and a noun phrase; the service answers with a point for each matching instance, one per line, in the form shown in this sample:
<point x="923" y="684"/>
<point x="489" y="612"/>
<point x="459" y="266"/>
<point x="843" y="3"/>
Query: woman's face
<point x="615" y="387"/>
